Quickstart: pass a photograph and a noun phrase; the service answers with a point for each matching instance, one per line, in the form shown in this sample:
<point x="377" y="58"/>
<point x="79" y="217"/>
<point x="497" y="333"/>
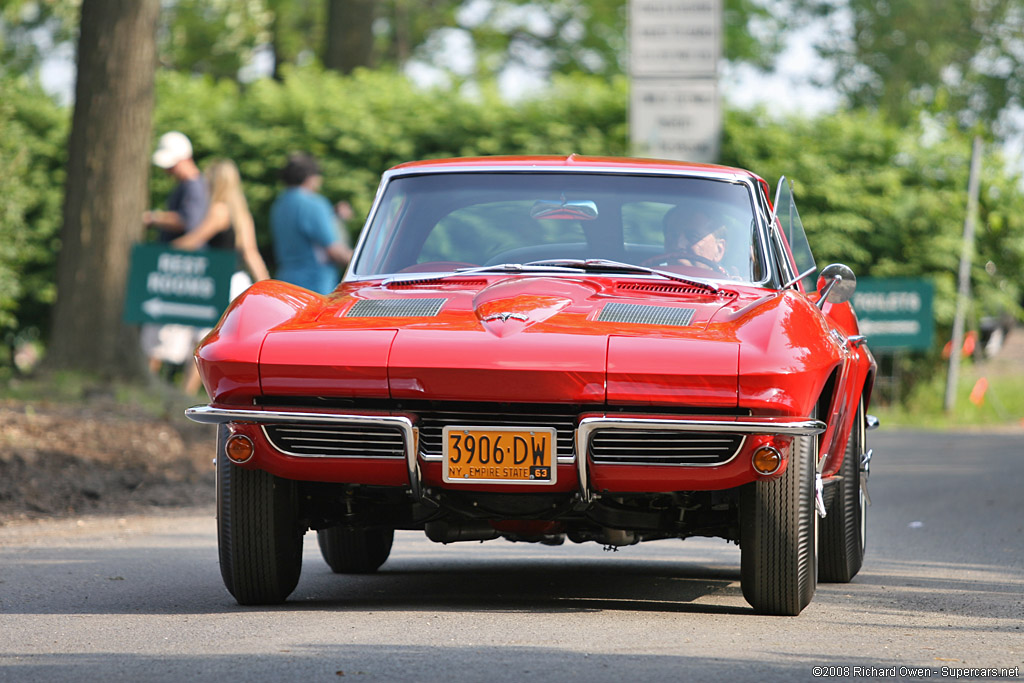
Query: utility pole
<point x="964" y="288"/>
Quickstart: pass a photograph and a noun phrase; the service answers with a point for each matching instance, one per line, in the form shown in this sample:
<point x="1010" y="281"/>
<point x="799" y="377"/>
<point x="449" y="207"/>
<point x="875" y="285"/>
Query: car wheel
<point x="844" y="529"/>
<point x="355" y="550"/>
<point x="778" y="536"/>
<point x="258" y="534"/>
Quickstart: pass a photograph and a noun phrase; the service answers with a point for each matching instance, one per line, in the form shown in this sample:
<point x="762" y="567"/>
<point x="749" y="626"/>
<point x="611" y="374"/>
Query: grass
<point x="154" y="398"/>
<point x="1000" y="405"/>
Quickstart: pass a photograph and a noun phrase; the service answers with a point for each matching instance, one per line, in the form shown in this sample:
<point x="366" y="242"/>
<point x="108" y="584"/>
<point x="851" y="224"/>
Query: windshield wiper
<point x="533" y="267"/>
<point x="609" y="266"/>
<point x="557" y="266"/>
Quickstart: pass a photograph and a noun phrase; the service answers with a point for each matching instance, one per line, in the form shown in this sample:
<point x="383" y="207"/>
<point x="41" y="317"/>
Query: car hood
<point x="520" y="338"/>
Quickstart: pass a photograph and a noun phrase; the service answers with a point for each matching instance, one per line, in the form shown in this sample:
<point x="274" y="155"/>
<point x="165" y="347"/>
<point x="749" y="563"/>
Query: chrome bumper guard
<point x="722" y="425"/>
<point x="587" y="426"/>
<point x="211" y="415"/>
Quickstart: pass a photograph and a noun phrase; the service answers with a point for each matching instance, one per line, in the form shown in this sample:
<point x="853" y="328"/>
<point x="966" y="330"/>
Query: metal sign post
<point x="964" y="287"/>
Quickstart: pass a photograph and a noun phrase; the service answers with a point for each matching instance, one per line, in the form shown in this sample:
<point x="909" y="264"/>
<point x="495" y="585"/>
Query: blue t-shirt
<point x="303" y="226"/>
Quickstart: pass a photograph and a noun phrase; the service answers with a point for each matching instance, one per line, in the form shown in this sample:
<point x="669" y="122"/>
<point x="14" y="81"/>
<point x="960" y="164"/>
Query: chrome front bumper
<point x="746" y="426"/>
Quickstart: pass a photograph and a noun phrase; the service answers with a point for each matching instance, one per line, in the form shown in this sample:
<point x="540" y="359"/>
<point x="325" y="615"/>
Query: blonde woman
<point x="228" y="225"/>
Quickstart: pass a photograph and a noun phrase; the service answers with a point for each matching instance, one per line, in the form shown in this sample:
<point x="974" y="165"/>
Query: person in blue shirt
<point x="308" y="243"/>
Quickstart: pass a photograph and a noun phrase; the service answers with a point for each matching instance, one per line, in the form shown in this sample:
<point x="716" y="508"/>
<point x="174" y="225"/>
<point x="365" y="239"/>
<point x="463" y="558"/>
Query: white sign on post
<point x="674" y="51"/>
<point x="674" y="38"/>
<point x="679" y="118"/>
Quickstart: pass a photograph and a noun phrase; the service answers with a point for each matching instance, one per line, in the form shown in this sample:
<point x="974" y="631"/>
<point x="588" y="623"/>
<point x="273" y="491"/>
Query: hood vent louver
<point x="428" y="283"/>
<point x="395" y="308"/>
<point x="640" y="314"/>
<point x="665" y="288"/>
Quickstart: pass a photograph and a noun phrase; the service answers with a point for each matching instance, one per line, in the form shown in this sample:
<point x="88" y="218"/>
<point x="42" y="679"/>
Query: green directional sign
<point x="895" y="313"/>
<point x="185" y="287"/>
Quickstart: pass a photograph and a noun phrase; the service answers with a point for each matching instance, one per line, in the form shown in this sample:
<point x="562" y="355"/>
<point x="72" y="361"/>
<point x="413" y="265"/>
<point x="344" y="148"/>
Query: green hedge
<point x="886" y="201"/>
<point x="33" y="133"/>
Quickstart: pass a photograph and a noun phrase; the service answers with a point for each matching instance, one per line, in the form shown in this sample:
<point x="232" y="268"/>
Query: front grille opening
<point x="337" y="441"/>
<point x="662" y="447"/>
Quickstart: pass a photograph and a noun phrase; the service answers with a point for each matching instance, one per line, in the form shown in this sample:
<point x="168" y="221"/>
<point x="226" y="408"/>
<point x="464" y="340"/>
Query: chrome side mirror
<point x="836" y="284"/>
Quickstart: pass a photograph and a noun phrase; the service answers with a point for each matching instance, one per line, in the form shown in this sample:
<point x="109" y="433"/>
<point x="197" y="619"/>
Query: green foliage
<point x="754" y="32"/>
<point x="30" y="29"/>
<point x="960" y="60"/>
<point x="32" y="137"/>
<point x="213" y="37"/>
<point x="891" y="201"/>
<point x="219" y="38"/>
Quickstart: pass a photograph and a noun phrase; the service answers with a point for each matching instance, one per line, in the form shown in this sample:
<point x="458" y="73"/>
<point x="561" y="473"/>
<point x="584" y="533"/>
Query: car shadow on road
<point x="537" y="586"/>
<point x="131" y="581"/>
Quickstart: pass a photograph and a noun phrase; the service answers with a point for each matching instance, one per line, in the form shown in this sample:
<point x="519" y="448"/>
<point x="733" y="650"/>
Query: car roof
<point x="572" y="161"/>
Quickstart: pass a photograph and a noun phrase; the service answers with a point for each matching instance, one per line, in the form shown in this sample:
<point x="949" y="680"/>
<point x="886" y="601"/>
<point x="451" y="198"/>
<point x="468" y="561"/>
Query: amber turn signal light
<point x="767" y="460"/>
<point x="239" y="448"/>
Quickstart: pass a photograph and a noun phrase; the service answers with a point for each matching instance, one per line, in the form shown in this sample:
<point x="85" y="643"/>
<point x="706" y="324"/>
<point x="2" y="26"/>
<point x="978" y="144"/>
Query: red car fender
<point x="228" y="356"/>
<point x="787" y="354"/>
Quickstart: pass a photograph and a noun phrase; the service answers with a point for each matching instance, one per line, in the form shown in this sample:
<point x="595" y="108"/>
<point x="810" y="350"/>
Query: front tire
<point x="355" y="550"/>
<point x="844" y="529"/>
<point x="778" y="536"/>
<point x="258" y="534"/>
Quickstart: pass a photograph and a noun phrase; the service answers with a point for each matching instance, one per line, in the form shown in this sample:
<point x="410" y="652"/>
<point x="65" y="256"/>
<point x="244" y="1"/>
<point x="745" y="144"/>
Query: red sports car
<point x="549" y="348"/>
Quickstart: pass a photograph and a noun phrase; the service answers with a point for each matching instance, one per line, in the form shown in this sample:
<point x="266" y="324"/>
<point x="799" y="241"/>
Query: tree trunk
<point x="106" y="190"/>
<point x="349" y="36"/>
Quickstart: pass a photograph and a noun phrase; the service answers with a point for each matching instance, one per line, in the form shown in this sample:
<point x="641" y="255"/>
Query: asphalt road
<point x="140" y="598"/>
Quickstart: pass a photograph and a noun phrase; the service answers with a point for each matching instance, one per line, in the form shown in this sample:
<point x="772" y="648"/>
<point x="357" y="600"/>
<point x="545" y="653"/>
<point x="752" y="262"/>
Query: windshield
<point x="441" y="222"/>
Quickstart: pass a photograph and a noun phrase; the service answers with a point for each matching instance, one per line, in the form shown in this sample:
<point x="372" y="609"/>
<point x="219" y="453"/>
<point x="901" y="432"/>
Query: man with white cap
<point x="186" y="207"/>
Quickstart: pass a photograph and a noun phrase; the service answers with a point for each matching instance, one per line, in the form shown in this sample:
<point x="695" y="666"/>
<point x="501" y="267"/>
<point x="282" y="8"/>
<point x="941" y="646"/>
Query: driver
<point x="693" y="239"/>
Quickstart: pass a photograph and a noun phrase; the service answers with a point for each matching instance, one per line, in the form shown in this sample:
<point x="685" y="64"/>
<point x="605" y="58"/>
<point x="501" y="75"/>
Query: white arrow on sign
<point x="158" y="308"/>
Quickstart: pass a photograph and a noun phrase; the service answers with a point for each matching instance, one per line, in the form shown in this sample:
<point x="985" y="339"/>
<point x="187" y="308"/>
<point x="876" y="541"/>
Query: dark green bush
<point x="33" y="132"/>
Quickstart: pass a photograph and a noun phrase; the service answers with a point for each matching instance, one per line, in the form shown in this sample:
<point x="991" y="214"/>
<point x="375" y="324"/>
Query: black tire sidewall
<point x="778" y="536"/>
<point x="258" y="535"/>
<point x="355" y="550"/>
<point x="843" y="533"/>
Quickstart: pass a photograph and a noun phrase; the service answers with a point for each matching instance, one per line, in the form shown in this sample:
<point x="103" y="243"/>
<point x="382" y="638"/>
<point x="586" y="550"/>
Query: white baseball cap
<point x="172" y="148"/>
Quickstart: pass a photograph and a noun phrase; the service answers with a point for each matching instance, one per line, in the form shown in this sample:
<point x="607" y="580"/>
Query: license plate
<point x="501" y="455"/>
